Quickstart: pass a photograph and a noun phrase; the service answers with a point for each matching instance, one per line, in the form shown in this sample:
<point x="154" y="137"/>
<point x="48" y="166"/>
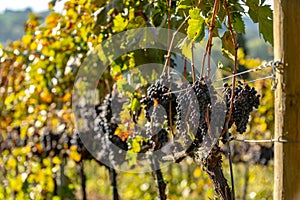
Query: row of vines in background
<point x="41" y="154"/>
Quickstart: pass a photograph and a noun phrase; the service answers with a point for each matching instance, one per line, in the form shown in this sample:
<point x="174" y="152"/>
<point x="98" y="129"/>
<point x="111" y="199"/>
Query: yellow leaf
<point x="197" y="172"/>
<point x="66" y="97"/>
<point x="16" y="183"/>
<point x="74" y="155"/>
<point x="120" y="23"/>
<point x="45" y="96"/>
<point x="73" y="148"/>
<point x="56" y="160"/>
<point x="11" y="163"/>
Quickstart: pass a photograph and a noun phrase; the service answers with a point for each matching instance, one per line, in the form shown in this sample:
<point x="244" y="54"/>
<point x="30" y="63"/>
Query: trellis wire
<point x="251" y="81"/>
<point x="260" y="67"/>
<point x="272" y="64"/>
<point x="279" y="140"/>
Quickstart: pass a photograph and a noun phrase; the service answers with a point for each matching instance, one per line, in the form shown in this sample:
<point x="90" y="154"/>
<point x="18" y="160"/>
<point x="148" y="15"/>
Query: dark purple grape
<point x="244" y="101"/>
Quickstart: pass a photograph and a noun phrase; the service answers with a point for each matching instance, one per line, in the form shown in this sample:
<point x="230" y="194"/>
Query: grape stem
<point x="208" y="123"/>
<point x="209" y="41"/>
<point x="234" y="67"/>
<point x="184" y="69"/>
<point x="172" y="42"/>
<point x="174" y="35"/>
<point x="169" y="3"/>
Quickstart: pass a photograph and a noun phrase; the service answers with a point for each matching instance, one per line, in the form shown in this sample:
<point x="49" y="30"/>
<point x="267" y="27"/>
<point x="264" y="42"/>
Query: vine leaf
<point x="227" y="46"/>
<point x="185" y="4"/>
<point x="196" y="28"/>
<point x="120" y="23"/>
<point x="238" y="23"/>
<point x="186" y="46"/>
<point x="263" y="15"/>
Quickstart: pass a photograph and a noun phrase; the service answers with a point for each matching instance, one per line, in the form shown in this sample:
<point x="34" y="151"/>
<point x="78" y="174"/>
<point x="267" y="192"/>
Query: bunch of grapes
<point x="245" y="99"/>
<point x="110" y="145"/>
<point x="159" y="93"/>
<point x="193" y="108"/>
<point x="187" y="113"/>
<point x="160" y="105"/>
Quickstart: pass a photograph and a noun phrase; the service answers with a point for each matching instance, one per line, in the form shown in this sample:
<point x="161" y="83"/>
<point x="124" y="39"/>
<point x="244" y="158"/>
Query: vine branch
<point x="172" y="42"/>
<point x="83" y="179"/>
<point x="159" y="178"/>
<point x="234" y="67"/>
<point x="209" y="41"/>
<point x="113" y="182"/>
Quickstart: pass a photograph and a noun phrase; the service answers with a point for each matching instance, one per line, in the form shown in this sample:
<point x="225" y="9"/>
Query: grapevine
<point x="175" y="118"/>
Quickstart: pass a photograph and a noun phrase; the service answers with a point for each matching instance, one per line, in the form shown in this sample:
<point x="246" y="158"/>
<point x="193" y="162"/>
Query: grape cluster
<point x="188" y="116"/>
<point x="245" y="99"/>
<point x="160" y="105"/>
<point x="193" y="107"/>
<point x="109" y="145"/>
<point x="160" y="93"/>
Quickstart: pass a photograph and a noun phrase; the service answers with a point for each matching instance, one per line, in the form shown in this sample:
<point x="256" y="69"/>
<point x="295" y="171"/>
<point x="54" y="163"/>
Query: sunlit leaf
<point x="196" y="28"/>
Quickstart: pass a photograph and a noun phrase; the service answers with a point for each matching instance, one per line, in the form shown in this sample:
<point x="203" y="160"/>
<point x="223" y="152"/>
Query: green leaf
<point x="135" y="104"/>
<point x="266" y="23"/>
<point x="227" y="46"/>
<point x="238" y="23"/>
<point x="120" y="23"/>
<point x="262" y="15"/>
<point x="224" y="68"/>
<point x="185" y="47"/>
<point x="196" y="28"/>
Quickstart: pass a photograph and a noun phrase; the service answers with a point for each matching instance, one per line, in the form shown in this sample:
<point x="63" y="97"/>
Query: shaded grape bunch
<point x="160" y="139"/>
<point x="160" y="93"/>
<point x="160" y="105"/>
<point x="193" y="106"/>
<point x="202" y="92"/>
<point x="107" y="121"/>
<point x="109" y="146"/>
<point x="187" y="113"/>
<point x="245" y="99"/>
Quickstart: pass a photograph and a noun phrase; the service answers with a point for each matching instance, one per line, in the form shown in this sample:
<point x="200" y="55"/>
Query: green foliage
<point x="196" y="26"/>
<point x="263" y="15"/>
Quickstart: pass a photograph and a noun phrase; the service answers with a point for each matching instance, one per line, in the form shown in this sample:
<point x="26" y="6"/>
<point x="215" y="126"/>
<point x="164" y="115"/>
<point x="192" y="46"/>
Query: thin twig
<point x="172" y="42"/>
<point x="234" y="66"/>
<point x="209" y="41"/>
<point x="169" y="2"/>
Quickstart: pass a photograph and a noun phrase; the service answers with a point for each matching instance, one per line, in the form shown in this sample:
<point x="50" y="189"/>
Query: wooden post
<point x="287" y="99"/>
